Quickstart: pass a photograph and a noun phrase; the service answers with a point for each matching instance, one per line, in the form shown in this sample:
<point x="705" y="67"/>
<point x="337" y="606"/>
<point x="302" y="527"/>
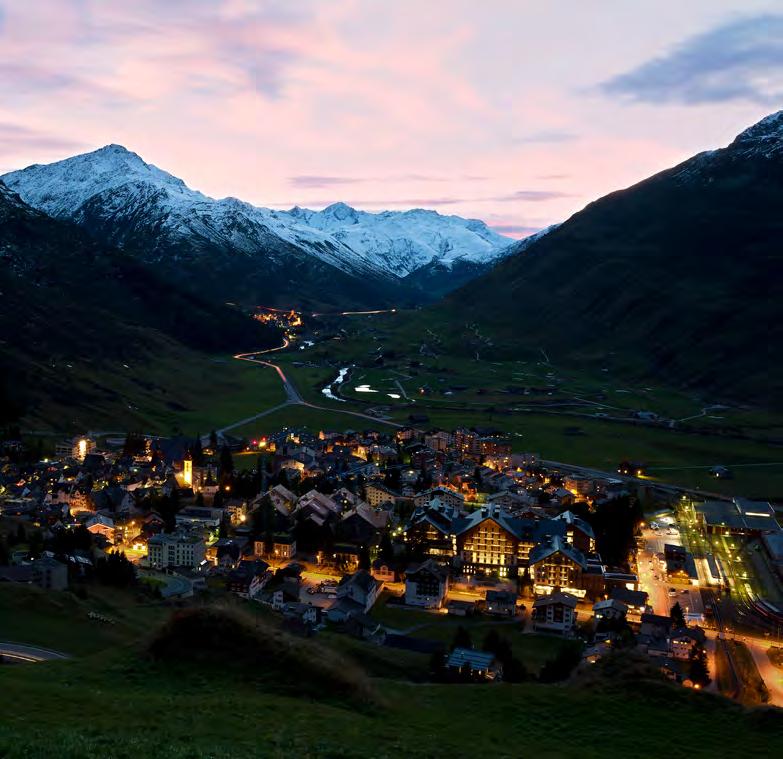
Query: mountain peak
<point x="341" y="211"/>
<point x="766" y="133"/>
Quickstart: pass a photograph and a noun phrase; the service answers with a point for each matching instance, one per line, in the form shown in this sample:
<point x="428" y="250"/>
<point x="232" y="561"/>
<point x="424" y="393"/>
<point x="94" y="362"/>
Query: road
<point x="590" y="472"/>
<point x="16" y="652"/>
<point x="770" y="674"/>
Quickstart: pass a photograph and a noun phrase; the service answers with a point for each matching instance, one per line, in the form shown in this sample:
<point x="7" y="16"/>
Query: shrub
<point x="237" y="643"/>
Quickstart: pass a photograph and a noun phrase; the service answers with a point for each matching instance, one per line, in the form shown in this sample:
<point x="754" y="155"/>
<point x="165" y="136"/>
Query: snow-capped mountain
<point x="116" y="193"/>
<point x="400" y="242"/>
<point x="131" y="203"/>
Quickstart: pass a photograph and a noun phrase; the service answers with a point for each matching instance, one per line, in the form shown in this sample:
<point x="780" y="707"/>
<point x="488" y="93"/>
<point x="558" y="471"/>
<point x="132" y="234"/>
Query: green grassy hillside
<point x="225" y="696"/>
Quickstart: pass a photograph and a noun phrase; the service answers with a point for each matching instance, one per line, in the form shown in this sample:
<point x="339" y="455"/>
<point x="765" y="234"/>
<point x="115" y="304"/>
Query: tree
<point x="562" y="665"/>
<point x="226" y="461"/>
<point x="698" y="670"/>
<point x="197" y="451"/>
<point x="115" y="570"/>
<point x="5" y="553"/>
<point x="462" y="639"/>
<point x="513" y="669"/>
<point x="213" y="441"/>
<point x="677" y="616"/>
<point x="385" y="549"/>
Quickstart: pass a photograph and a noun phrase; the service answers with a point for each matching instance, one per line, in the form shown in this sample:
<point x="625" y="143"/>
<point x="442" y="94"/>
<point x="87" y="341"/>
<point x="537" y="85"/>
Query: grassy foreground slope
<point x="120" y="706"/>
<point x="217" y="691"/>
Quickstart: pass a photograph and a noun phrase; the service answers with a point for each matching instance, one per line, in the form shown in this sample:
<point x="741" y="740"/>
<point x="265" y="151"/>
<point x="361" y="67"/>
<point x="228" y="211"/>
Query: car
<point x="684" y="590"/>
<point x="672" y="592"/>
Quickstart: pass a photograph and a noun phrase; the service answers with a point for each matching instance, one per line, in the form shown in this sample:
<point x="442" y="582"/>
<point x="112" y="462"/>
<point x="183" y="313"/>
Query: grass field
<point x="548" y="408"/>
<point x="179" y="392"/>
<point x="311" y="418"/>
<point x="120" y="705"/>
<point x="113" y="701"/>
<point x="60" y="621"/>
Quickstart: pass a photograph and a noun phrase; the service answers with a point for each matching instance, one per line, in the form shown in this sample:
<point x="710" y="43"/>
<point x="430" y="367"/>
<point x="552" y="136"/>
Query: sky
<point x="517" y="112"/>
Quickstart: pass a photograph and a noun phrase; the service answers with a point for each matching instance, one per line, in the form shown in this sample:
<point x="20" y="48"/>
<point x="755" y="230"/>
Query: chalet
<point x="685" y="640"/>
<point x="653" y="637"/>
<point x="578" y="532"/>
<point x="430" y="530"/>
<point x="382" y="571"/>
<point x="363" y="524"/>
<point x="609" y="609"/>
<point x="317" y="507"/>
<point x="635" y="601"/>
<point x="426" y="585"/>
<point x="444" y="495"/>
<point x="227" y="552"/>
<point x="282" y="499"/>
<point x="248" y="579"/>
<point x="555" y="613"/>
<point x="49" y="574"/>
<point x="502" y="603"/>
<point x="100" y="524"/>
<point x="478" y="664"/>
<point x="555" y="563"/>
<point x="360" y="587"/>
<point x="489" y="540"/>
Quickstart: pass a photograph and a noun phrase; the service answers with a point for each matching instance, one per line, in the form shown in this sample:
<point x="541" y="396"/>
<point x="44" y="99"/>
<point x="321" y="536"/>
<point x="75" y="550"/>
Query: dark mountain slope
<point x="678" y="276"/>
<point x="63" y="295"/>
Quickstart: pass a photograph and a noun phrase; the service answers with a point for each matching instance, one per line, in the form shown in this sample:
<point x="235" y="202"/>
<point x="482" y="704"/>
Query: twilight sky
<point x="518" y="112"/>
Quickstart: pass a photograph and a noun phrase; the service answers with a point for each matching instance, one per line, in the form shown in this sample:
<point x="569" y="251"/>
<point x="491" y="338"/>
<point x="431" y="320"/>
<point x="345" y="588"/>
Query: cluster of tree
<point x="615" y="524"/>
<point x="562" y="665"/>
<point x="622" y="634"/>
<point x="514" y="670"/>
<point x="698" y="670"/>
<point x="115" y="570"/>
<point x="31" y="539"/>
<point x="16" y="448"/>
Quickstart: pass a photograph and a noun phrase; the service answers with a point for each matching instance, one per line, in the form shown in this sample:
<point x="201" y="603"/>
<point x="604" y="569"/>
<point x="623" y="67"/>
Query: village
<point x="378" y="535"/>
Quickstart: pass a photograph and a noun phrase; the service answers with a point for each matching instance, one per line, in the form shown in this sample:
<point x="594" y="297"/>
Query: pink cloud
<point x="267" y="100"/>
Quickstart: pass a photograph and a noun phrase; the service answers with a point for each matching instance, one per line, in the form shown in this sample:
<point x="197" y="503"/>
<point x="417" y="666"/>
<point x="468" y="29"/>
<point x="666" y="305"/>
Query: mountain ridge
<point x="669" y="279"/>
<point x="119" y="197"/>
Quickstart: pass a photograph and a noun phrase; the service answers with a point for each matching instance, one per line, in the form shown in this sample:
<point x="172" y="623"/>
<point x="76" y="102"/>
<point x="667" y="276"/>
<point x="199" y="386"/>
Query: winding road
<point x="16" y="652"/>
<point x="293" y="396"/>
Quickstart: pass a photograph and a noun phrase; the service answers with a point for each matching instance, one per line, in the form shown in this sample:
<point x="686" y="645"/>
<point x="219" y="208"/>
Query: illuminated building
<point x="426" y="585"/>
<point x="555" y="563"/>
<point x="555" y="613"/>
<point x="187" y="471"/>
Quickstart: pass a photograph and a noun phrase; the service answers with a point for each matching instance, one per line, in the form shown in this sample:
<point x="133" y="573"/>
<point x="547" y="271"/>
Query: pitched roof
<point x="361" y="578"/>
<point x="430" y="566"/>
<point x="557" y="597"/>
<point x="556" y="545"/>
<point x="570" y="518"/>
<point x="481" y="660"/>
